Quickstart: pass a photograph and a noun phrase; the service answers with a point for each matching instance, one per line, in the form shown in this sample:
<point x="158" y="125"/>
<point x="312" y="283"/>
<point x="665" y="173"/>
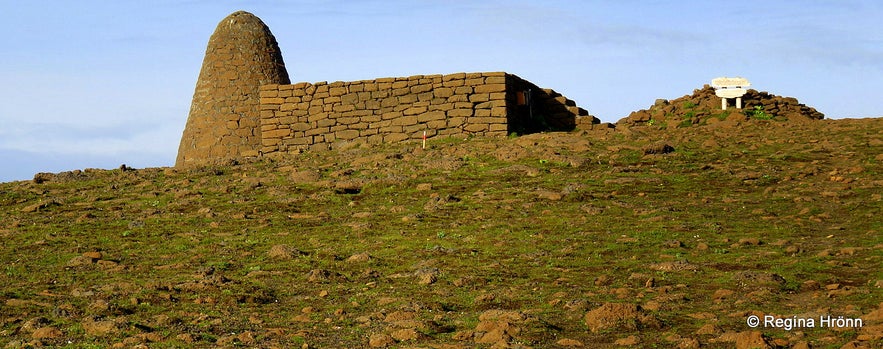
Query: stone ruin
<point x="225" y="120"/>
<point x="245" y="106"/>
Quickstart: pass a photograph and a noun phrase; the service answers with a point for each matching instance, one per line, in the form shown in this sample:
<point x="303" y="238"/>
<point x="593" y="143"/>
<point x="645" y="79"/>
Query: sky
<point x="97" y="84"/>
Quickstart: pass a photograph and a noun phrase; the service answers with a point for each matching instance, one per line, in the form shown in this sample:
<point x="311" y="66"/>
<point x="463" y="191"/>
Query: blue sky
<point x="96" y="84"/>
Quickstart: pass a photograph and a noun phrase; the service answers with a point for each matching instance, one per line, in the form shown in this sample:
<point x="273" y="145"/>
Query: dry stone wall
<point x="386" y="110"/>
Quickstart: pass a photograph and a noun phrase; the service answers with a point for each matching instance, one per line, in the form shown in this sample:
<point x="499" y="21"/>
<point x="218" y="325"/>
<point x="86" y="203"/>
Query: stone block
<point x="287" y="106"/>
<point x="318" y="117"/>
<point x="371" y="118"/>
<point x="442" y="106"/>
<point x="277" y="133"/>
<point x="316" y="131"/>
<point x="272" y="100"/>
<point x="459" y="113"/>
<point x="414" y="110"/>
<point x="476" y="128"/>
<point x="425" y="96"/>
<point x="391" y="129"/>
<point x="458" y="98"/>
<point x="347" y="134"/>
<point x="375" y="139"/>
<point x="269" y="93"/>
<point x="456" y="122"/>
<point x="499" y="111"/>
<point x="463" y="90"/>
<point x="495" y="79"/>
<point x="474" y="81"/>
<point x="285" y="93"/>
<point x="400" y="85"/>
<point x="488" y="88"/>
<point x="482" y="112"/>
<point x="437" y="124"/>
<point x="325" y="122"/>
<point x="372" y="104"/>
<point x="479" y="97"/>
<point x="348" y="120"/>
<point x="405" y="120"/>
<point x="454" y="83"/>
<point x="380" y="124"/>
<point x="454" y="76"/>
<point x="269" y="87"/>
<point x="301" y="126"/>
<point x="498" y="127"/>
<point x="357" y="87"/>
<point x="349" y="98"/>
<point x="432" y="115"/>
<point x="443" y="92"/>
<point x="366" y="131"/>
<point x="424" y="87"/>
<point x="252" y="153"/>
<point x="395" y="137"/>
<point x="487" y="120"/>
<point x="411" y="129"/>
<point x="340" y="108"/>
<point x="491" y="104"/>
<point x="463" y="105"/>
<point x="407" y="99"/>
<point x="391" y="115"/>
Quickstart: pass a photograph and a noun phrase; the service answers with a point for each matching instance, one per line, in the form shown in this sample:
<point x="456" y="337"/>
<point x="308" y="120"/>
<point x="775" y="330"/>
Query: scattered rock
<point x="628" y="341"/>
<point x="48" y="332"/>
<point x="658" y="148"/>
<point x="405" y="334"/>
<point x="674" y="266"/>
<point x="567" y="342"/>
<point x="100" y="328"/>
<point x="707" y="329"/>
<point x="380" y="340"/>
<point x="621" y="316"/>
<point x="427" y="276"/>
<point x="285" y="252"/>
<point x="359" y="258"/>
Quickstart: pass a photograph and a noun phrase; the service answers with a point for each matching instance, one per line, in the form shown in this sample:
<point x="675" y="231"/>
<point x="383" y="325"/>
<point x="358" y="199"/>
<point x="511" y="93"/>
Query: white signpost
<point x="725" y="87"/>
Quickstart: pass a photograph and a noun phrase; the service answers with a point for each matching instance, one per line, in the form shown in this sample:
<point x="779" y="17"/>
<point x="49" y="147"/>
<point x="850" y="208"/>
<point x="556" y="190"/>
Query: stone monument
<point x="725" y="87"/>
<point x="225" y="120"/>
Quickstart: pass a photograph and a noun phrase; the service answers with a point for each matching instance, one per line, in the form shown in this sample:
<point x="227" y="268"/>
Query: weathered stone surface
<point x="241" y="56"/>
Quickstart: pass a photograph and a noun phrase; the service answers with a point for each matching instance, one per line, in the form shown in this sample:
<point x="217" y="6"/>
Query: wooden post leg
<point x="739" y="102"/>
<point x="723" y="103"/>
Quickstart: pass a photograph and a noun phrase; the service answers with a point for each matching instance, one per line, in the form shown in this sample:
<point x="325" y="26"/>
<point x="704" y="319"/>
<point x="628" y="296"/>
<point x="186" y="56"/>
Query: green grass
<point x="193" y="245"/>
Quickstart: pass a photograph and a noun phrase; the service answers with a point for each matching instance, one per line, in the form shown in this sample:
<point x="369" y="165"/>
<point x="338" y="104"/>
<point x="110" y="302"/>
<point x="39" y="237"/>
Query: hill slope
<point x="635" y="237"/>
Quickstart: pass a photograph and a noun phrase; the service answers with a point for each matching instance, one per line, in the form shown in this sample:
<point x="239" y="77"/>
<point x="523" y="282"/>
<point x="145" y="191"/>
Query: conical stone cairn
<point x="225" y="121"/>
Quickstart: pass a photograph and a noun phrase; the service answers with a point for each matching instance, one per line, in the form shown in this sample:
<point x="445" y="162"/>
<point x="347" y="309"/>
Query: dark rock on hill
<point x="704" y="107"/>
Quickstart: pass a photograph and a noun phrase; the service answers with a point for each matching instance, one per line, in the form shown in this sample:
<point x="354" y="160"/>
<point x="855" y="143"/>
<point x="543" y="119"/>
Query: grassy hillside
<point x="642" y="236"/>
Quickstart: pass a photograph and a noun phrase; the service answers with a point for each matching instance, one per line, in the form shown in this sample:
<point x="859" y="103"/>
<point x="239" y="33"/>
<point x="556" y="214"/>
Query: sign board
<point x="726" y="82"/>
<point x="730" y="92"/>
<point x="725" y="87"/>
